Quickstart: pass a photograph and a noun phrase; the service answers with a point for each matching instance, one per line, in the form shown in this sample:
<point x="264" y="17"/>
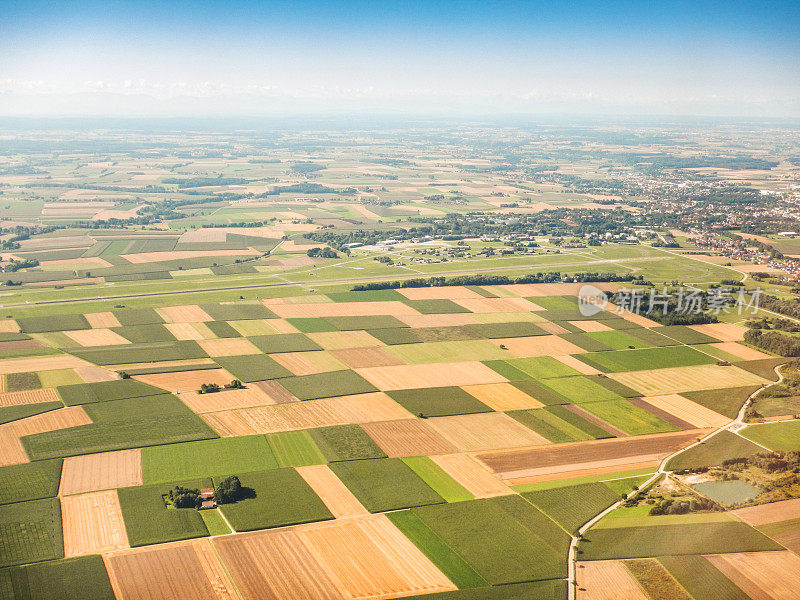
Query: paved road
<point x="341" y="280"/>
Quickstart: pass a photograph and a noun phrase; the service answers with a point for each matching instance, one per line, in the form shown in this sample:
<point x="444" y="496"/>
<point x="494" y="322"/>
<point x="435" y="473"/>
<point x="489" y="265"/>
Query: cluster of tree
<point x="772" y="341"/>
<point x="774" y="323"/>
<point x="228" y="490"/>
<point x="306" y="188"/>
<point x="182" y="497"/>
<point x="15" y="265"/>
<point x="682" y="505"/>
<point x="771" y="462"/>
<point x="322" y="253"/>
<point x="790" y="308"/>
<point x="211" y="388"/>
<point x="305" y="167"/>
<point x="196" y="182"/>
<point x="555" y="277"/>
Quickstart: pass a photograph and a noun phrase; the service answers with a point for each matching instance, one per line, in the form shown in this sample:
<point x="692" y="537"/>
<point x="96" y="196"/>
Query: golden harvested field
<point x="724" y="332"/>
<point x="485" y="431"/>
<point x="92" y="523"/>
<point x="590" y="326"/>
<point x="578" y="365"/>
<point x="342" y="309"/>
<point x="340" y="340"/>
<point x="188" y="313"/>
<point x="190" y="331"/>
<point x="11" y="450"/>
<point x="180" y="571"/>
<point x="554" y="289"/>
<point x="472" y="475"/>
<point x="42" y="363"/>
<point x="255" y="326"/>
<point x="762" y="575"/>
<point x="278" y="393"/>
<point x="166" y="363"/>
<point x="309" y="363"/>
<point x="443" y="320"/>
<point x="357" y="358"/>
<point x="150" y="257"/>
<point x="102" y="320"/>
<point x="8" y="326"/>
<point x="439" y="293"/>
<point x="659" y="382"/>
<point x="538" y="345"/>
<point x="28" y="397"/>
<point x="497" y="305"/>
<point x="553" y="328"/>
<point x="683" y="408"/>
<point x="227" y="399"/>
<point x="186" y="381"/>
<point x="607" y="580"/>
<point x="572" y="456"/>
<point x="740" y="350"/>
<point x="339" y="500"/>
<point x="228" y="423"/>
<point x="401" y="377"/>
<point x="97" y="337"/>
<point x="104" y="471"/>
<point x="770" y="513"/>
<point x="502" y="396"/>
<point x="408" y="437"/>
<point x="228" y="347"/>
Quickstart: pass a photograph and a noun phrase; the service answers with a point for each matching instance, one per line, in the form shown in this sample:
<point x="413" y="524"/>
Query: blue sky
<point x="701" y="57"/>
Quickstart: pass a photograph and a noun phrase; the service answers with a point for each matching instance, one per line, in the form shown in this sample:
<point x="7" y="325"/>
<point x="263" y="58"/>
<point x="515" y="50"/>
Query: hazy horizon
<point x="253" y="59"/>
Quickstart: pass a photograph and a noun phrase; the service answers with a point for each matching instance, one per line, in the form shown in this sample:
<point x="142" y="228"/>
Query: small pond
<point x="728" y="492"/>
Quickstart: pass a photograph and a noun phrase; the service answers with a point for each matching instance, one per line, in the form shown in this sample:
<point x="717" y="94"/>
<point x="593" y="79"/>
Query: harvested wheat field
<point x="741" y="351"/>
<point x="97" y="337"/>
<point x="366" y="558"/>
<point x="190" y="331"/>
<point x="151" y="257"/>
<point x="189" y="313"/>
<point x="439" y="293"/>
<point x="104" y="471"/>
<point x="180" y="571"/>
<point x="42" y="363"/>
<point x="724" y="332"/>
<point x="102" y="320"/>
<point x="340" y="340"/>
<point x="497" y="305"/>
<point x="92" y="524"/>
<point x="502" y="396"/>
<point x="28" y="397"/>
<point x="186" y="381"/>
<point x="227" y="399"/>
<point x="686" y="410"/>
<point x="11" y="450"/>
<point x="273" y="389"/>
<point x="472" y="475"/>
<point x="770" y="513"/>
<point x="554" y="289"/>
<point x="96" y="374"/>
<point x="552" y="328"/>
<point x="342" y="309"/>
<point x="538" y="345"/>
<point x="572" y="456"/>
<point x="434" y="320"/>
<point x="8" y="326"/>
<point x="578" y="365"/>
<point x="228" y="423"/>
<point x="590" y="326"/>
<point x="228" y="347"/>
<point x="402" y="377"/>
<point x="762" y="575"/>
<point x="408" y="437"/>
<point x="607" y="580"/>
<point x="660" y="382"/>
<point x="357" y="358"/>
<point x="485" y="431"/>
<point x="308" y="363"/>
<point x="339" y="500"/>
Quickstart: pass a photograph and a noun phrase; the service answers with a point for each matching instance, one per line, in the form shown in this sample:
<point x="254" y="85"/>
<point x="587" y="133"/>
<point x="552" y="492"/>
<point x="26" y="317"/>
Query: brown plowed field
<point x="607" y="580"/>
<point x="762" y="575"/>
<point x="102" y="320"/>
<point x="502" y="396"/>
<point x="558" y="455"/>
<point x="278" y="393"/>
<point x="401" y="377"/>
<point x="189" y="313"/>
<point x="226" y="400"/>
<point x="485" y="431"/>
<point x="180" y="571"/>
<point x="92" y="524"/>
<point x="770" y="513"/>
<point x="29" y="397"/>
<point x="104" y="471"/>
<point x="339" y="500"/>
<point x="553" y="328"/>
<point x="538" y="345"/>
<point x="408" y="437"/>
<point x="339" y="340"/>
<point x="97" y="337"/>
<point x="342" y="309"/>
<point x="21" y="345"/>
<point x="472" y="475"/>
<point x="357" y="358"/>
<point x="186" y="381"/>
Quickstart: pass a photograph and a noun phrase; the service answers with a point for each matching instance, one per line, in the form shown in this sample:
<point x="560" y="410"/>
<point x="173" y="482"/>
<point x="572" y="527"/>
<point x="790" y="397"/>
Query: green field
<point x="295" y="449"/>
<point x="440" y="352"/>
<point x="81" y="578"/>
<point x="252" y="367"/>
<point x="573" y="506"/>
<point x="549" y="425"/>
<point x="345" y="442"/>
<point x="438" y="402"/>
<point x="288" y="342"/>
<point x="638" y="360"/>
<point x="326" y="385"/>
<point x="629" y="418"/>
<point x="713" y="451"/>
<point x="783" y="436"/>
<point x="30" y="532"/>
<point x="701" y="579"/>
<point x="441" y="483"/>
<point x="85" y="393"/>
<point x="30" y="481"/>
